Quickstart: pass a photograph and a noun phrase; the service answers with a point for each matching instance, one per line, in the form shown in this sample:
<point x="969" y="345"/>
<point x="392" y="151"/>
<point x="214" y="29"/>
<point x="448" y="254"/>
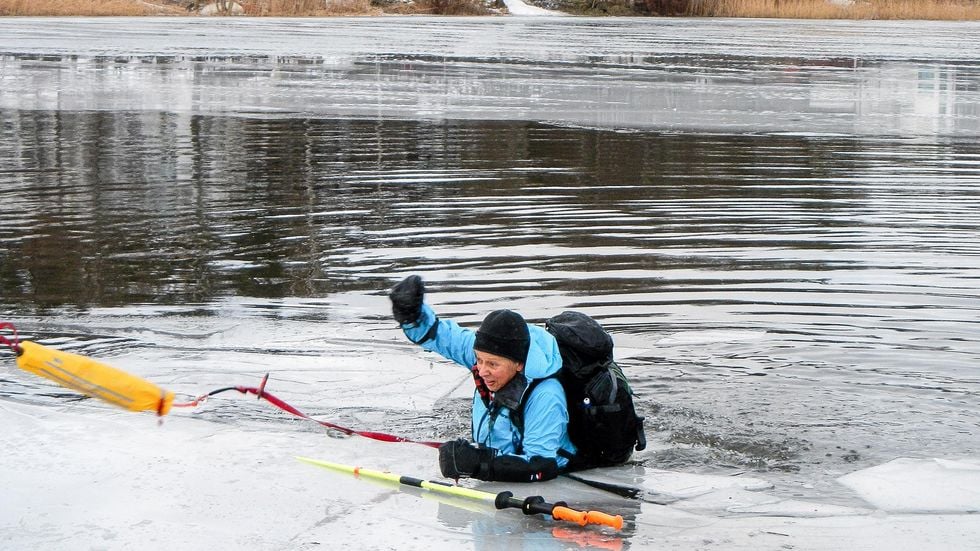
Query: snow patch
<point x="516" y="7"/>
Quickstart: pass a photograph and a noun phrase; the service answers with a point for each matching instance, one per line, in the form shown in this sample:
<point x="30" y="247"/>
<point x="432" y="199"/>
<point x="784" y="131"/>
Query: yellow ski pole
<point x="534" y="505"/>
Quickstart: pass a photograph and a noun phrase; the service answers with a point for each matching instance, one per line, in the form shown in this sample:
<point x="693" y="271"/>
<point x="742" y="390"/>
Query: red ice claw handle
<point x="587" y="517"/>
<point x="13" y="344"/>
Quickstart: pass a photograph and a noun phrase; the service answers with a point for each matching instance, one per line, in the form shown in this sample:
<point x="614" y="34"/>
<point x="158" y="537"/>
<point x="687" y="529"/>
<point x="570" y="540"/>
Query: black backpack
<point x="603" y="423"/>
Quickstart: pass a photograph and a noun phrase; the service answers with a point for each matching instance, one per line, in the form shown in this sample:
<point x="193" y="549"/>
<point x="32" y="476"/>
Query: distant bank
<point x="790" y="9"/>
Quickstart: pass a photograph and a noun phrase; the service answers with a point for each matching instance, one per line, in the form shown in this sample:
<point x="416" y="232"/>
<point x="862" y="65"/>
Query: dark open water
<point x="777" y="220"/>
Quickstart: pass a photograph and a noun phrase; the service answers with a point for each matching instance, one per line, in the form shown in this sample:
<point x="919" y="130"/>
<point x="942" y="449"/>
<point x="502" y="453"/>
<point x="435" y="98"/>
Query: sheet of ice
<point x="809" y="78"/>
<point x="736" y="500"/>
<point x="715" y="495"/>
<point x="687" y="485"/>
<point x="664" y="528"/>
<point x="920" y="485"/>
<point x="83" y="476"/>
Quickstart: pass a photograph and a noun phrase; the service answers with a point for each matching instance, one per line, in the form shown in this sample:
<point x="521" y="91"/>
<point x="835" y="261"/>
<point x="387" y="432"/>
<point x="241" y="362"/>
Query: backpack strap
<point x="517" y="420"/>
<point x="517" y="415"/>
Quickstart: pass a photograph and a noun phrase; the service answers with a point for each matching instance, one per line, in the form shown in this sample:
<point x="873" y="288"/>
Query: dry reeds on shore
<point x="270" y="8"/>
<point x="835" y="9"/>
<point x="292" y="8"/>
<point x="185" y="7"/>
<point x="306" y="8"/>
<point x="85" y="7"/>
<point x="789" y="9"/>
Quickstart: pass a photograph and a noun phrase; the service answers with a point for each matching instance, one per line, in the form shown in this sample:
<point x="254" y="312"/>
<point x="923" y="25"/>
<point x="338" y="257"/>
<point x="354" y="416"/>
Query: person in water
<point x="504" y="355"/>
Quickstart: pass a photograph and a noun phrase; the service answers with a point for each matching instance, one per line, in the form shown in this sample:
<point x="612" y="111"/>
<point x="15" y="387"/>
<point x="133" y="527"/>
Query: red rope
<point x="274" y="400"/>
<point x="259" y="392"/>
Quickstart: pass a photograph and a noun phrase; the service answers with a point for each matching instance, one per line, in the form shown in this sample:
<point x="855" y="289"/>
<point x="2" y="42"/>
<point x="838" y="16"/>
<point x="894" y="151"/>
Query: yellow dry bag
<point x="93" y="378"/>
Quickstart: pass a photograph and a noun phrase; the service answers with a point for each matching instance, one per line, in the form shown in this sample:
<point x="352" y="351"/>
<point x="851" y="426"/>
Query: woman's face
<point x="495" y="370"/>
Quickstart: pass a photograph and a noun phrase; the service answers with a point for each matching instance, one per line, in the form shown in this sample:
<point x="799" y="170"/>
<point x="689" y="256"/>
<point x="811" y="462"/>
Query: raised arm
<point x="423" y="327"/>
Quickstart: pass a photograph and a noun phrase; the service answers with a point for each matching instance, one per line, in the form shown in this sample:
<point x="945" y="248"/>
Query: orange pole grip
<point x="571" y="515"/>
<point x="597" y="517"/>
<point x="591" y="517"/>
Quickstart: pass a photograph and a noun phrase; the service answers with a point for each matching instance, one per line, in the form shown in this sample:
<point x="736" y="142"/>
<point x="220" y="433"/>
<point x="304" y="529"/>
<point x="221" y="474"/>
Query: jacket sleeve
<point x="444" y="337"/>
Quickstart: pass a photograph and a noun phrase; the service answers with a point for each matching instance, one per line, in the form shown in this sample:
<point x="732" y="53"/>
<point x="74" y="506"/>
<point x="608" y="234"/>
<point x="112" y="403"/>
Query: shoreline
<point x="891" y="10"/>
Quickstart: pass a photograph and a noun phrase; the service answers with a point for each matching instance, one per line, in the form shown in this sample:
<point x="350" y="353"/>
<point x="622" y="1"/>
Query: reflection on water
<point x="797" y="295"/>
<point x="138" y="207"/>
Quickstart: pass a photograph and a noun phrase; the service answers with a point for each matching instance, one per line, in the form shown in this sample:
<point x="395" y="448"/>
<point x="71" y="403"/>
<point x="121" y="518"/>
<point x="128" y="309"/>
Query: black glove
<point x="406" y="299"/>
<point x="461" y="459"/>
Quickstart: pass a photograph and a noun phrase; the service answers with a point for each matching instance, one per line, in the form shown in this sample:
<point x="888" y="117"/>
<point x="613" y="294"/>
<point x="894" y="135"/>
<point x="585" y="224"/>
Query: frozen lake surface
<point x="880" y="78"/>
<point x="777" y="220"/>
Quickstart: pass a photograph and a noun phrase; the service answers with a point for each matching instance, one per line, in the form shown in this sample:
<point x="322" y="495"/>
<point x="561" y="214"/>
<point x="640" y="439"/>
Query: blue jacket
<point x="546" y="412"/>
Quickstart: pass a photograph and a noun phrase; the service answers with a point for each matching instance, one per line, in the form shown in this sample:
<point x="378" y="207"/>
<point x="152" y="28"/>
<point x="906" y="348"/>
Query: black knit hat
<point x="504" y="333"/>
